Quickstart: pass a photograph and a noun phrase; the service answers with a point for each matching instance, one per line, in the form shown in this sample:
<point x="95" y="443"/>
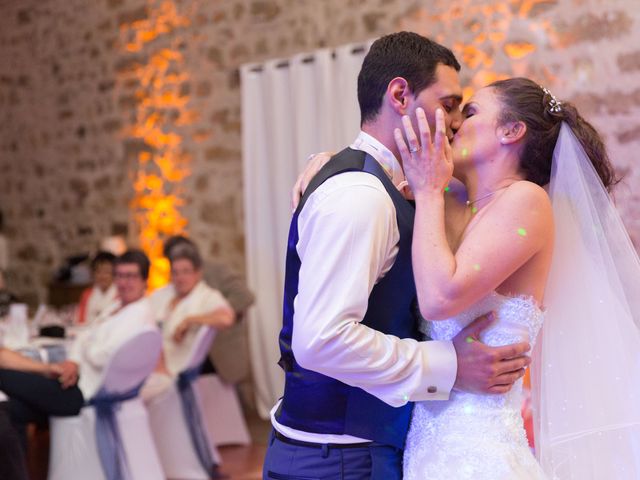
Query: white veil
<point x="586" y="369"/>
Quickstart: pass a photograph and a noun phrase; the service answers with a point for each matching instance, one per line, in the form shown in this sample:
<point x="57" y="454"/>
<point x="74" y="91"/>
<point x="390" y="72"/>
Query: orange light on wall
<point x="518" y="50"/>
<point x="161" y="110"/>
<point x="494" y="40"/>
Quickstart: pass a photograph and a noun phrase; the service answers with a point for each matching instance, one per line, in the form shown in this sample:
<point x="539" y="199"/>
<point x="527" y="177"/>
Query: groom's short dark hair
<point x="402" y="54"/>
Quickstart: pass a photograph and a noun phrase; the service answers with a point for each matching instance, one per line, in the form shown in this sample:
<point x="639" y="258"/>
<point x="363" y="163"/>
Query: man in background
<point x="229" y="354"/>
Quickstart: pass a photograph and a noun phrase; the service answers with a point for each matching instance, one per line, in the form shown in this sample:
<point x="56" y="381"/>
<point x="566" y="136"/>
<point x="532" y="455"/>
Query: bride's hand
<point x="427" y="165"/>
<point x="315" y="163"/>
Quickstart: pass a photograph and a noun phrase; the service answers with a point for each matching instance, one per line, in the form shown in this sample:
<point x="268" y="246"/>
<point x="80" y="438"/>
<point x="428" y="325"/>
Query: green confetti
<point x="446" y="189"/>
<point x="522" y="232"/>
<point x="476" y="267"/>
<point x="465" y="152"/>
<point x="474" y="209"/>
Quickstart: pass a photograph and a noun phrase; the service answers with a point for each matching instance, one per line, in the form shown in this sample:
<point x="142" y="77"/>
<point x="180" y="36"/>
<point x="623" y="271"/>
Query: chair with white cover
<point x="74" y="451"/>
<point x="222" y="411"/>
<point x="186" y="449"/>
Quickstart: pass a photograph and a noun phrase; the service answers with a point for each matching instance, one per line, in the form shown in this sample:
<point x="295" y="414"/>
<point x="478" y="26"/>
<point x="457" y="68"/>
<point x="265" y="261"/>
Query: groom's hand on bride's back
<point x="484" y="369"/>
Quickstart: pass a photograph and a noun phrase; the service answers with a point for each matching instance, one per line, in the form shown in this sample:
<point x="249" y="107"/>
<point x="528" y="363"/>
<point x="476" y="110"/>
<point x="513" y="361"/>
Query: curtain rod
<point x="308" y="59"/>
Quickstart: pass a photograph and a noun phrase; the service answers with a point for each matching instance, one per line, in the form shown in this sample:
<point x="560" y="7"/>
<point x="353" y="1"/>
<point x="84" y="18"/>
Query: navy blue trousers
<point x="294" y="462"/>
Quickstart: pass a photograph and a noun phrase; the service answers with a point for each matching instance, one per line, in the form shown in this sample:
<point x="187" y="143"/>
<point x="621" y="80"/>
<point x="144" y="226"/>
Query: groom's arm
<point x="348" y="240"/>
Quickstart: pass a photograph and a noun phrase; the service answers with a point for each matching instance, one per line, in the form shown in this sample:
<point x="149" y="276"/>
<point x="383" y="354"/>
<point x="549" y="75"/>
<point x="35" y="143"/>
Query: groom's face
<point x="444" y="93"/>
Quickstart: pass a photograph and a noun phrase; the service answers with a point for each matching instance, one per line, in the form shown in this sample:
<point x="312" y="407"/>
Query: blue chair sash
<point x="56" y="353"/>
<point x="110" y="449"/>
<point x="193" y="417"/>
<point x="50" y="353"/>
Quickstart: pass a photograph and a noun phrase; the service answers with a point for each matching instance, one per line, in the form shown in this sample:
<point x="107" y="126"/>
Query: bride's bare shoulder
<point x="525" y="203"/>
<point x="525" y="193"/>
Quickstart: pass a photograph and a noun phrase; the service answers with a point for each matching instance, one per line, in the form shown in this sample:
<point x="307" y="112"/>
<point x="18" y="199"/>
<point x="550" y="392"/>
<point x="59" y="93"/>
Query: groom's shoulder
<point x="352" y="186"/>
<point x="351" y="196"/>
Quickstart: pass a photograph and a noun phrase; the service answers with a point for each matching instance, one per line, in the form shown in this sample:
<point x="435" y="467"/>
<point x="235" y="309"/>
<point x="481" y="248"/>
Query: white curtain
<point x="291" y="108"/>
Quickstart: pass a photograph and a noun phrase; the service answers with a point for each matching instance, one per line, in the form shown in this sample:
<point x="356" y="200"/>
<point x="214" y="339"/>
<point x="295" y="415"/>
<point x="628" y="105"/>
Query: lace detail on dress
<point x="476" y="436"/>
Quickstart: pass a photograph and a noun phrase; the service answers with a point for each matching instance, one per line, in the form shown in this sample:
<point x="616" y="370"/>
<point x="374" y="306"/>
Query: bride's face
<point x="477" y="140"/>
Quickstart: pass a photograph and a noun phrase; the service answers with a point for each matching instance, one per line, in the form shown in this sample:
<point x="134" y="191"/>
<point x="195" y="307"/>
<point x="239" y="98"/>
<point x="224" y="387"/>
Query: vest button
<point x="432" y="389"/>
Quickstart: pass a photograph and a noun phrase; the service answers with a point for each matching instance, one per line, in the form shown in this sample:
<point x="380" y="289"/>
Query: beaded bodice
<point x="472" y="435"/>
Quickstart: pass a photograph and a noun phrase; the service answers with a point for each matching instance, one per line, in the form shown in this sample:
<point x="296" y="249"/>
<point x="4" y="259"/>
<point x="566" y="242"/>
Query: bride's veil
<point x="586" y="369"/>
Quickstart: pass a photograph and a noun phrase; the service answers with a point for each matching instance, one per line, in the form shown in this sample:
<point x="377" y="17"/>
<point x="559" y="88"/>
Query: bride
<point x="528" y="252"/>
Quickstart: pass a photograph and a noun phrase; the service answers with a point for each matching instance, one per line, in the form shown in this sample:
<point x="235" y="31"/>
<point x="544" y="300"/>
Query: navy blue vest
<point x="316" y="403"/>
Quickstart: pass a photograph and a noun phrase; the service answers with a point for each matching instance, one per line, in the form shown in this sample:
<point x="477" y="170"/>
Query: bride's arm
<point x="518" y="225"/>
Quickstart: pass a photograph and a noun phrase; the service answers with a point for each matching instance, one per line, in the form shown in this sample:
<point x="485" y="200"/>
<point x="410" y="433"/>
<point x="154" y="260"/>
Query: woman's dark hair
<point x="174" y="240"/>
<point x="186" y="251"/>
<point x="137" y="257"/>
<point x="102" y="257"/>
<point x="526" y="101"/>
<point x="402" y="54"/>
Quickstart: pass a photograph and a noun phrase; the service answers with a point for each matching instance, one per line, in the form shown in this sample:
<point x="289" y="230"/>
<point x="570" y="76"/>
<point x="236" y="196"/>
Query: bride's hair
<point x="526" y="101"/>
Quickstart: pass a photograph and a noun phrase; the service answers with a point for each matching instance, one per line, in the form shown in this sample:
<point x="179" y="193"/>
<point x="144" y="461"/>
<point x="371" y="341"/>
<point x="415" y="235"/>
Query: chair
<point x="74" y="453"/>
<point x="222" y="412"/>
<point x="178" y="453"/>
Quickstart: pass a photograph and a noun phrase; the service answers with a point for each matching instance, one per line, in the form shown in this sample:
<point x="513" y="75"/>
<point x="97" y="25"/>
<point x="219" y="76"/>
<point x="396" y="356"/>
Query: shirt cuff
<point x="441" y="366"/>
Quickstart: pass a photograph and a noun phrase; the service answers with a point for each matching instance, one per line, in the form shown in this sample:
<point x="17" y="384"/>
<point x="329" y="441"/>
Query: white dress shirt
<point x="94" y="347"/>
<point x="348" y="241"/>
<point x="200" y="300"/>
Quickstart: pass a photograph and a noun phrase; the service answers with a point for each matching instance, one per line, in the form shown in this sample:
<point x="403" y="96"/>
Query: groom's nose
<point x="456" y="121"/>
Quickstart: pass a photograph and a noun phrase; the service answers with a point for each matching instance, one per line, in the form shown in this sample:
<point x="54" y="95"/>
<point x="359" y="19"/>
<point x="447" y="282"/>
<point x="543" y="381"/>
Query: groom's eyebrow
<point x="456" y="98"/>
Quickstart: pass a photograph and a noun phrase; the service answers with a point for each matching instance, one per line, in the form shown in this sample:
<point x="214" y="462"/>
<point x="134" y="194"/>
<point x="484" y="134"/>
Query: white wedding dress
<point x="472" y="436"/>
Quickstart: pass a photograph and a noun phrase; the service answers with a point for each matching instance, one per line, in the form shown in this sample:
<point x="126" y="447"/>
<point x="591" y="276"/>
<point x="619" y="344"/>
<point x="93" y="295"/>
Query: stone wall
<point x="111" y="107"/>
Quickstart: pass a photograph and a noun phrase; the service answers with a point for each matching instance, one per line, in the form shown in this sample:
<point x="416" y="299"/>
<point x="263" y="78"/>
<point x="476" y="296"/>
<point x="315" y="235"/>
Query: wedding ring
<point x="415" y="149"/>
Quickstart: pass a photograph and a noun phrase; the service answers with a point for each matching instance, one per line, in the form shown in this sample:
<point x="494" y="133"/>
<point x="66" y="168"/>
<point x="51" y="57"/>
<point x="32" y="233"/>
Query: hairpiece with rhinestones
<point x="554" y="105"/>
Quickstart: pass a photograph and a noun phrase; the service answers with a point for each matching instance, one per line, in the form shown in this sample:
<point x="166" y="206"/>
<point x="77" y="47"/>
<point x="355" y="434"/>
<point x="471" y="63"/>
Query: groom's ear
<point x="397" y="95"/>
<point x="511" y="132"/>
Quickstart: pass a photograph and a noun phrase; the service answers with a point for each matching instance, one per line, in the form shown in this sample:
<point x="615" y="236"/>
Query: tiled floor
<point x="238" y="463"/>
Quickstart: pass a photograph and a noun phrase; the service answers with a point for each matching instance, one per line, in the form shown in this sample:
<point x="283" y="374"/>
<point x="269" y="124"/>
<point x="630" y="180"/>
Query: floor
<point x="238" y="462"/>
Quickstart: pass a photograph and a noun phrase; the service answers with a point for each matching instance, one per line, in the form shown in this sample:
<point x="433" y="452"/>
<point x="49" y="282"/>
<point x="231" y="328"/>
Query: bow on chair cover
<point x="112" y="455"/>
<point x="191" y="411"/>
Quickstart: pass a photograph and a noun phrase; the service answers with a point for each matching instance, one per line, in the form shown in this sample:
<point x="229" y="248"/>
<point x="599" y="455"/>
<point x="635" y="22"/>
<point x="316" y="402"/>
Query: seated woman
<point x="100" y="299"/>
<point x="180" y="308"/>
<point x="93" y="348"/>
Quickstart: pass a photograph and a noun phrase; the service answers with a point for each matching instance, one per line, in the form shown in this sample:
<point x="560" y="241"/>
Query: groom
<point x="348" y="344"/>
